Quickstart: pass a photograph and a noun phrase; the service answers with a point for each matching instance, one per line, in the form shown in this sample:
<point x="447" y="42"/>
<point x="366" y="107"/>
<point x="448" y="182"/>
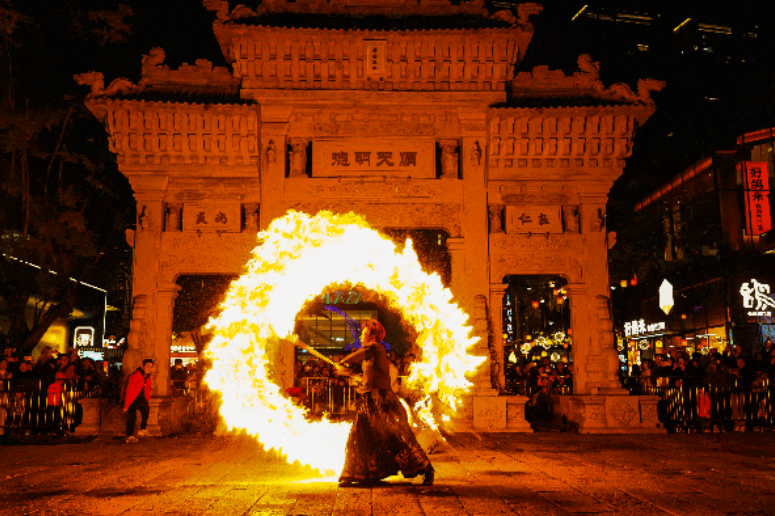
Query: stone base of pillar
<point x="168" y="415"/>
<point x="91" y="421"/>
<point x="609" y="413"/>
<point x="500" y="414"/>
<point x="515" y="414"/>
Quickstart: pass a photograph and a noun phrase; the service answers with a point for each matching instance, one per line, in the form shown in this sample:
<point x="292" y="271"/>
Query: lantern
<point x="623" y="283"/>
<point x="535" y="305"/>
<point x="560" y="300"/>
<point x="666" y="300"/>
<point x="634" y="280"/>
<point x="556" y="292"/>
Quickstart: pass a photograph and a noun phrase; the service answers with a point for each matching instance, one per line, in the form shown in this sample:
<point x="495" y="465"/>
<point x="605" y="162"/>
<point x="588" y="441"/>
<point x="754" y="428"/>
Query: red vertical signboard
<point x="757" y="197"/>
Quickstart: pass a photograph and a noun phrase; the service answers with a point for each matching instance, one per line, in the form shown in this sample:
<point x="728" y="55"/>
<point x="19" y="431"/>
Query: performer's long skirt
<point x="381" y="442"/>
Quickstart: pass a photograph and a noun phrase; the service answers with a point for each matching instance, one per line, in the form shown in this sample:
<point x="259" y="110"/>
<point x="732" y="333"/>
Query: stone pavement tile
<point x="212" y="491"/>
<point x="675" y="504"/>
<point x="228" y="507"/>
<point x="574" y="502"/>
<point x="622" y="502"/>
<point x="186" y="506"/>
<point x="478" y="500"/>
<point x="276" y="500"/>
<point x="535" y="505"/>
<point x="400" y="497"/>
<point x="355" y="501"/>
<point x="441" y="501"/>
<point x="315" y="503"/>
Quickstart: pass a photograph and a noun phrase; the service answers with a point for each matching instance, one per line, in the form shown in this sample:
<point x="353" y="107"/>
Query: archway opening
<point x="538" y="337"/>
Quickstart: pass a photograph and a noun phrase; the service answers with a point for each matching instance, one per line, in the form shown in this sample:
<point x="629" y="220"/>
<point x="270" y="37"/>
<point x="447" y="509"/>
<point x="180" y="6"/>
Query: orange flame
<point x="298" y="258"/>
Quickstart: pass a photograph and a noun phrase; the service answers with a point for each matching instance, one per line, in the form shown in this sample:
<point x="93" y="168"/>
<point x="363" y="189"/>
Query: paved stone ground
<point x="477" y="474"/>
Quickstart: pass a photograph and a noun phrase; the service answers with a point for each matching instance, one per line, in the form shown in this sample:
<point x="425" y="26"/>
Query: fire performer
<point x="381" y="442"/>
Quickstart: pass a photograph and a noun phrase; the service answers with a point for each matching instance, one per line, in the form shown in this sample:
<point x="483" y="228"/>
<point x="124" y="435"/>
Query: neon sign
<point x="640" y="327"/>
<point x="84" y="336"/>
<point x="757" y="296"/>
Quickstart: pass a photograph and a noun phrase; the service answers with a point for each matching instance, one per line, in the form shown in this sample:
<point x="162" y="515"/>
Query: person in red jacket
<point x="138" y="394"/>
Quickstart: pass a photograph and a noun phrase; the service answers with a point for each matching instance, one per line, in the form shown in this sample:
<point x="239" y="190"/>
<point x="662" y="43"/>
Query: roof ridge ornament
<point x="157" y="76"/>
<point x="543" y="82"/>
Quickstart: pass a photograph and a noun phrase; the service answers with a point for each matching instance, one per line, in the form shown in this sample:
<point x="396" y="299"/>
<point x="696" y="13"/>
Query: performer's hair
<point x="376" y="329"/>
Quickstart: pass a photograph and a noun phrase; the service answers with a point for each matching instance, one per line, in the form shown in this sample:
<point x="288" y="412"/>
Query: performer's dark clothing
<point x="381" y="442"/>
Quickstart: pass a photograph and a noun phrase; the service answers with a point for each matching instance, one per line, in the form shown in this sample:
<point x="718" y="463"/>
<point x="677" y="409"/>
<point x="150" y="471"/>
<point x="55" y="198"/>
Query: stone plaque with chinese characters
<point x="374" y="157"/>
<point x="533" y="218"/>
<point x="225" y="216"/>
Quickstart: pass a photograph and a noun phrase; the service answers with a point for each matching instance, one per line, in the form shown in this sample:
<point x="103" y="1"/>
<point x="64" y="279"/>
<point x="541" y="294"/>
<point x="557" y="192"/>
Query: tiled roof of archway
<point x="560" y="102"/>
<point x="373" y="22"/>
<point x="186" y="96"/>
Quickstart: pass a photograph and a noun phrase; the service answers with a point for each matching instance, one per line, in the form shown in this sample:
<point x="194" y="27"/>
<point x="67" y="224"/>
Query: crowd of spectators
<point x="542" y="377"/>
<point x="732" y="368"/>
<point x="728" y="389"/>
<point x="52" y="368"/>
<point x="35" y="392"/>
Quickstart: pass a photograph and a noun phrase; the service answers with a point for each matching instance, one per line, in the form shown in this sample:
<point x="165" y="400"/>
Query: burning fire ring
<point x="299" y="256"/>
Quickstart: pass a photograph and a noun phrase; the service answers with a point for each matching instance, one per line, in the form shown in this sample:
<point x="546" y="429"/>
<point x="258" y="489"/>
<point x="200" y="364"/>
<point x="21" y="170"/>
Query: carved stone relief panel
<point x="350" y="188"/>
<point x="204" y="253"/>
<point x="565" y="264"/>
<point x="514" y="243"/>
<point x="570" y="219"/>
<point x="362" y="123"/>
<point x="496" y="218"/>
<point x="445" y="216"/>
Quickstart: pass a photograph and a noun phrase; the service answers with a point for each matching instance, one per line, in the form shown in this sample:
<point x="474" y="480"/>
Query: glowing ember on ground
<point x="298" y="258"/>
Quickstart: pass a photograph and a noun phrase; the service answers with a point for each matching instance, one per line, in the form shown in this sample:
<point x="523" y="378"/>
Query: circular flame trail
<point x="298" y="258"/>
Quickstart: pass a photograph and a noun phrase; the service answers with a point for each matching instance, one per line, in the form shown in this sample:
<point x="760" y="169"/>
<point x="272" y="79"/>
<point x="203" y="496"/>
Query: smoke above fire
<point x="299" y="256"/>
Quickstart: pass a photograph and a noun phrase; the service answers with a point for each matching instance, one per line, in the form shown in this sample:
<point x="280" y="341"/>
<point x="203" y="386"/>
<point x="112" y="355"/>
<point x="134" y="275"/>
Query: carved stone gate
<point x="417" y="121"/>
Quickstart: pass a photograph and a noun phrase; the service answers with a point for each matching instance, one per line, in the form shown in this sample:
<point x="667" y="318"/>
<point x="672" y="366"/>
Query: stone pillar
<point x="149" y="195"/>
<point x="456" y="248"/>
<point x="585" y="367"/>
<point x="274" y="140"/>
<point x="497" y="291"/>
<point x="167" y="292"/>
<point x="137" y="337"/>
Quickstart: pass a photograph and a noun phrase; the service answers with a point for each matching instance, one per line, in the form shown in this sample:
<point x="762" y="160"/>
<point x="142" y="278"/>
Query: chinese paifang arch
<point x="298" y="257"/>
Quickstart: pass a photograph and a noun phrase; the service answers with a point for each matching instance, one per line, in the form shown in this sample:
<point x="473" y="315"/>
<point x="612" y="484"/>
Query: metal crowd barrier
<point x="335" y="396"/>
<point x="696" y="409"/>
<point x="328" y="395"/>
<point x="26" y="407"/>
